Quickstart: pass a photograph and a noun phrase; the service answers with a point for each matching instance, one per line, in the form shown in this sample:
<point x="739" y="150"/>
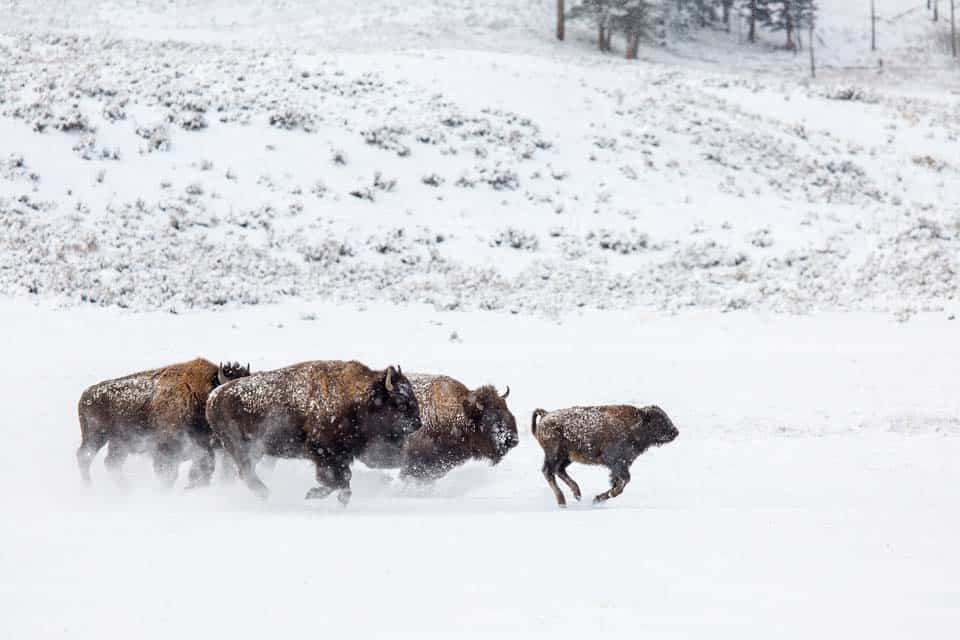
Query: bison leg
<point x="92" y="442"/>
<point x="166" y="461"/>
<point x="117" y="453"/>
<point x="549" y="472"/>
<point x="619" y="477"/>
<point x="331" y="476"/>
<point x="203" y="465"/>
<point x="570" y="482"/>
<point x="240" y="452"/>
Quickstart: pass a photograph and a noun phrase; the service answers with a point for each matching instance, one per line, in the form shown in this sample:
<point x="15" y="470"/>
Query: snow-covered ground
<point x="772" y="259"/>
<point x="812" y="490"/>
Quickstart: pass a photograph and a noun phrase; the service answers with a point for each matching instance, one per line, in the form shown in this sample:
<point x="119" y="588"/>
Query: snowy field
<point x="772" y="259"/>
<point x="812" y="490"/>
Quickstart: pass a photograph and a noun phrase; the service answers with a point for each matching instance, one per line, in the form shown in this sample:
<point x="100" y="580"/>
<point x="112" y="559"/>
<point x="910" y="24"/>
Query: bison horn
<point x="222" y="378"/>
<point x="506" y="393"/>
<point x="387" y="381"/>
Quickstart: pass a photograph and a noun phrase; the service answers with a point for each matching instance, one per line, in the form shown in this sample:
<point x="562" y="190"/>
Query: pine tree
<point x="789" y="16"/>
<point x="600" y="13"/>
<point x="635" y="19"/>
<point x="756" y="12"/>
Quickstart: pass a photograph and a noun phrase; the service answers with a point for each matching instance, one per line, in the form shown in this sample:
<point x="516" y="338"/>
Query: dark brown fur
<point x="612" y="436"/>
<point x="324" y="411"/>
<point x="458" y="425"/>
<point x="160" y="411"/>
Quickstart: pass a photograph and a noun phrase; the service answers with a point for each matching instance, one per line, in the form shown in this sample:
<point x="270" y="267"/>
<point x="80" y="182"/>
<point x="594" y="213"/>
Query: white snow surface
<point x="440" y="184"/>
<point x="812" y="489"/>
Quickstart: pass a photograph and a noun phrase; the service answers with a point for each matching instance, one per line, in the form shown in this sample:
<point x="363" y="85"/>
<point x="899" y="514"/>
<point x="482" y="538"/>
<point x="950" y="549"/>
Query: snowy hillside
<point x="232" y="168"/>
<point x="773" y="259"/>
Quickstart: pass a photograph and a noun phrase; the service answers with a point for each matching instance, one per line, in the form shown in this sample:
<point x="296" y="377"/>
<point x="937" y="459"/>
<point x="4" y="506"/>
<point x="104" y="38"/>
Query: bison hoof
<point x="344" y="497"/>
<point x="317" y="493"/>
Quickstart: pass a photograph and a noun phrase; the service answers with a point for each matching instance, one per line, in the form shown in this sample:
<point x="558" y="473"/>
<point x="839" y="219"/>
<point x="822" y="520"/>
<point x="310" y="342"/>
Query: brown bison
<point x="324" y="411"/>
<point x="160" y="412"/>
<point x="458" y="425"/>
<point x="612" y="436"/>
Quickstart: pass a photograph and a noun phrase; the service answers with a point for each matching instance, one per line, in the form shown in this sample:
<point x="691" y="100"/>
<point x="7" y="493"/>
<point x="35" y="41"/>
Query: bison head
<point x="231" y="371"/>
<point x="655" y="427"/>
<point x="493" y="424"/>
<point x="394" y="413"/>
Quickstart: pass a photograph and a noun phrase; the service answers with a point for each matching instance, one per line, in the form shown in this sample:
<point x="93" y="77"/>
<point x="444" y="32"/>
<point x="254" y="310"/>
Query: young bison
<point x="612" y="436"/>
<point x="458" y="425"/>
<point x="324" y="411"/>
<point x="160" y="412"/>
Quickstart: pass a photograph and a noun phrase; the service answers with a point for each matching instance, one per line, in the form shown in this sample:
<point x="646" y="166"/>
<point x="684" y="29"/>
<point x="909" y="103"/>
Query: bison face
<point x="657" y="427"/>
<point x="395" y="413"/>
<point x="492" y="420"/>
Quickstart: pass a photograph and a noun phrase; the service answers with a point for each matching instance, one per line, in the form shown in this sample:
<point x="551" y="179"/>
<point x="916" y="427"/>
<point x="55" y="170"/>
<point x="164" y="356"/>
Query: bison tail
<point x="537" y="413"/>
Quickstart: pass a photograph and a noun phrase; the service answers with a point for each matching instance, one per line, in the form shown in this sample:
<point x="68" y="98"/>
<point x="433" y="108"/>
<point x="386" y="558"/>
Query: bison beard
<point x="160" y="411"/>
<point x="323" y="411"/>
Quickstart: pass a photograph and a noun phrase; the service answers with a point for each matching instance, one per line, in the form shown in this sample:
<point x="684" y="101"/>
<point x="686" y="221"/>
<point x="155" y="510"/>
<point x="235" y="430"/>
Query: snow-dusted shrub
<point x="762" y="238"/>
<point x="157" y="136"/>
<point x="387" y="138"/>
<point x="292" y="118"/>
<point x="189" y="120"/>
<point x="114" y="111"/>
<point x="500" y="178"/>
<point x="319" y="189"/>
<point x="709" y="255"/>
<point x="850" y="94"/>
<point x="622" y="242"/>
<point x="326" y="253"/>
<point x="432" y="180"/>
<point x="73" y="120"/>
<point x="515" y="239"/>
<point x="339" y="157"/>
<point x="379" y="184"/>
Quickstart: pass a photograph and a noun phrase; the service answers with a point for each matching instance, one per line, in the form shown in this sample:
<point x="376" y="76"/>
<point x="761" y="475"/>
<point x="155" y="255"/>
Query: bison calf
<point x="160" y="412"/>
<point x="458" y="425"/>
<point x="324" y="411"/>
<point x="612" y="436"/>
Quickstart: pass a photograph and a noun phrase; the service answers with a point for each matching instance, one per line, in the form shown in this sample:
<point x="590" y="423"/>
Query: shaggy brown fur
<point x="160" y="411"/>
<point x="458" y="425"/>
<point x="324" y="411"/>
<point x="612" y="436"/>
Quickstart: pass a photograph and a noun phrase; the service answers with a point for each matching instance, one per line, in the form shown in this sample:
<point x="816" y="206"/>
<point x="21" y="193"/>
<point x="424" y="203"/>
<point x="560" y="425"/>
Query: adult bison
<point x="459" y="424"/>
<point x="160" y="412"/>
<point x="323" y="411"/>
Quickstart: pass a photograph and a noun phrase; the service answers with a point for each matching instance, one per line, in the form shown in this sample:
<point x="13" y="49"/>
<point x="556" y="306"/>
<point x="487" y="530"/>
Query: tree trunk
<point x="726" y="14"/>
<point x="789" y="29"/>
<point x="873" y="26"/>
<point x="561" y="20"/>
<point x="601" y="38"/>
<point x="752" y="36"/>
<point x="953" y="28"/>
<point x="936" y="10"/>
<point x="607" y="43"/>
<point x="633" y="45"/>
<point x="813" y="62"/>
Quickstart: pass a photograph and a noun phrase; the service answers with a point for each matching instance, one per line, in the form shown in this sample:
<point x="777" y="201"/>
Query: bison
<point x="458" y="425"/>
<point x="323" y="411"/>
<point x="160" y="412"/>
<point x="612" y="436"/>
